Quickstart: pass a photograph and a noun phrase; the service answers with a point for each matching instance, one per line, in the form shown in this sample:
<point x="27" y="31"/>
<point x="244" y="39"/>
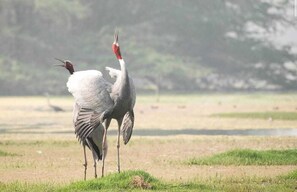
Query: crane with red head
<point x="98" y="101"/>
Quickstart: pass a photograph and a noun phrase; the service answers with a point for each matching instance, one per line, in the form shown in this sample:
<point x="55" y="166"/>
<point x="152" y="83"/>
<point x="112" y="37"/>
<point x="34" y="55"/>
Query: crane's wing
<point x="91" y="93"/>
<point x="87" y="120"/>
<point x="90" y="90"/>
<point x="114" y="73"/>
<point x="92" y="137"/>
<point x="127" y="126"/>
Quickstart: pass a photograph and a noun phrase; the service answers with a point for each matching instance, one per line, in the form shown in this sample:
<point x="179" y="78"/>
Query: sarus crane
<point x="55" y="108"/>
<point x="94" y="141"/>
<point x="97" y="102"/>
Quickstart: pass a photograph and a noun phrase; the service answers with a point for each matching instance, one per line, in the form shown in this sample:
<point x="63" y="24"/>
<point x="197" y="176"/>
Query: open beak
<point x="116" y="37"/>
<point x="62" y="65"/>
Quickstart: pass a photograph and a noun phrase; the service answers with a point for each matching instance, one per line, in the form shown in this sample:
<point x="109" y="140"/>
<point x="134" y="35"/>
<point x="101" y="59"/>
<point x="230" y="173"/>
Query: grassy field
<point x="39" y="151"/>
<point x="140" y="180"/>
<point x="249" y="157"/>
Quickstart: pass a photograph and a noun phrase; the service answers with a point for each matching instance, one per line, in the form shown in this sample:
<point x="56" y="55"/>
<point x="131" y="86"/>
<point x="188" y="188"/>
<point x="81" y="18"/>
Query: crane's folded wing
<point x="127" y="126"/>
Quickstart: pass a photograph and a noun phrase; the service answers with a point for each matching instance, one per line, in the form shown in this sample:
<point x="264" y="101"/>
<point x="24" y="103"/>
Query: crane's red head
<point x="116" y="47"/>
<point x="67" y="64"/>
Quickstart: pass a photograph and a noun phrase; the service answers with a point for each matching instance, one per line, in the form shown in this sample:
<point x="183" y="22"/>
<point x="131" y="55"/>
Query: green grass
<point x="142" y="181"/>
<point x="292" y="175"/>
<point x="125" y="181"/>
<point x="263" y="184"/>
<point x="26" y="187"/>
<point x="4" y="154"/>
<point x="58" y="143"/>
<point x="249" y="157"/>
<point x="130" y="181"/>
<point x="289" y="116"/>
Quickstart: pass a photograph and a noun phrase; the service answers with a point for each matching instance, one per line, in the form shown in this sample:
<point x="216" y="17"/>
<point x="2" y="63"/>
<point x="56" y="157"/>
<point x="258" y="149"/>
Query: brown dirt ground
<point x="54" y="159"/>
<point x="27" y="127"/>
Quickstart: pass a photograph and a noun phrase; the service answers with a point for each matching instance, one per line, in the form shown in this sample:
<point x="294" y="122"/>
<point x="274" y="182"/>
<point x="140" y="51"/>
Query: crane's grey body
<point x="98" y="101"/>
<point x="124" y="97"/>
<point x="94" y="140"/>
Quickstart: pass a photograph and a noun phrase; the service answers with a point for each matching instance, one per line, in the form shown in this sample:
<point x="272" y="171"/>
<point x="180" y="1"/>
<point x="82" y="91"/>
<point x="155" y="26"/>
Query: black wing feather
<point x="87" y="120"/>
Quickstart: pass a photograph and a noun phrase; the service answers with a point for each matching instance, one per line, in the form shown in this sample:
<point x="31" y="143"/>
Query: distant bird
<point x="99" y="101"/>
<point x="94" y="140"/>
<point x="181" y="106"/>
<point x="154" y="107"/>
<point x="53" y="107"/>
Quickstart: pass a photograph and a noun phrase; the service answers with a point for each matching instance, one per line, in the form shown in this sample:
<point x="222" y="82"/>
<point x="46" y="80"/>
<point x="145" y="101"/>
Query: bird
<point x="154" y="107"/>
<point x="99" y="101"/>
<point x="53" y="107"/>
<point x="181" y="106"/>
<point x="94" y="141"/>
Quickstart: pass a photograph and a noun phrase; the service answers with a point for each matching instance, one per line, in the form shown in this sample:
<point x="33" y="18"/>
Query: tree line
<point x="169" y="45"/>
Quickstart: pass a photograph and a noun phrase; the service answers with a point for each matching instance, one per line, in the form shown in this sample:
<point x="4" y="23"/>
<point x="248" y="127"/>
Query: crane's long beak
<point x="116" y="37"/>
<point x="60" y="60"/>
<point x="59" y="65"/>
<point x="62" y="65"/>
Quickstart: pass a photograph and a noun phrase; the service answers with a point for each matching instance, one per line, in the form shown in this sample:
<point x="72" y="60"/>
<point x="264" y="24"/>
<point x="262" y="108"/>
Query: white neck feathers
<point x="122" y="63"/>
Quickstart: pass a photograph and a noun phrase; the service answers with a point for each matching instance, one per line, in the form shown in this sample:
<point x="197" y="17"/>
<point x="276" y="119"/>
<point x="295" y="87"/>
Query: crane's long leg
<point x="103" y="150"/>
<point x="118" y="149"/>
<point x="85" y="164"/>
<point x="95" y="168"/>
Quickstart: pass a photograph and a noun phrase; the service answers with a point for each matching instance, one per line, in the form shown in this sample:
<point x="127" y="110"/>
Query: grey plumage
<point x="98" y="101"/>
<point x="91" y="134"/>
<point x="88" y="132"/>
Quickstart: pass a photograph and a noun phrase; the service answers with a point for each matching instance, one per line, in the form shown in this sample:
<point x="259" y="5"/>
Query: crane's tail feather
<point x="127" y="126"/>
<point x="97" y="154"/>
<point x="95" y="142"/>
